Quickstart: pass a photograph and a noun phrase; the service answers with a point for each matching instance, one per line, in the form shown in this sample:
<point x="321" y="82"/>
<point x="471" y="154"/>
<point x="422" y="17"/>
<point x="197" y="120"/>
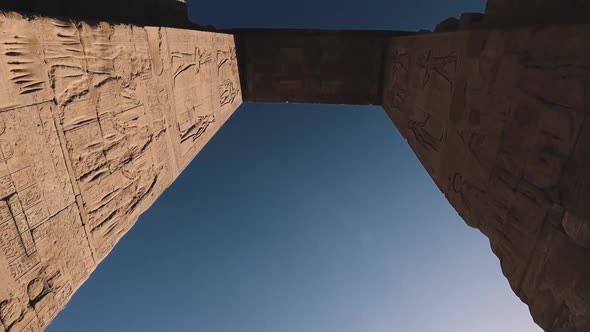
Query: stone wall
<point x="500" y="121"/>
<point x="95" y="122"/>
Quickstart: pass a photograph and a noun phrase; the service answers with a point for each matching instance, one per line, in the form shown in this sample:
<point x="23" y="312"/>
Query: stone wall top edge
<point x="215" y="32"/>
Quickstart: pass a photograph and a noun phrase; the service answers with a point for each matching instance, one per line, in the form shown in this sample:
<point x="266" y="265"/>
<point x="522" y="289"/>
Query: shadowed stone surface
<point x="499" y="120"/>
<point x="312" y="66"/>
<point x="95" y="122"/>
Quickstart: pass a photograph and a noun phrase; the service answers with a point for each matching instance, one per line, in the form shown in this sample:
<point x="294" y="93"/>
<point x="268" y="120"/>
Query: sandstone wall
<point x="500" y="121"/>
<point x="95" y="122"/>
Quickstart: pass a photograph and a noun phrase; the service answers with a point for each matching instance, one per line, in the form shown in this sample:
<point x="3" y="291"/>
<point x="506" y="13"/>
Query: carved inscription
<point x="499" y="120"/>
<point x="225" y="57"/>
<point x="227" y="93"/>
<point x="423" y="136"/>
<point x="65" y="55"/>
<point x="399" y="79"/>
<point x="19" y="54"/>
<point x="195" y="128"/>
<point x="200" y="68"/>
<point x="24" y="75"/>
<point x="443" y="67"/>
<point x="96" y="121"/>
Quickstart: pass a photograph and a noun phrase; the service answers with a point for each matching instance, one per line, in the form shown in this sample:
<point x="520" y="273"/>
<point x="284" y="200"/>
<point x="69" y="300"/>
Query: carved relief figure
<point x="227" y="92"/>
<point x="473" y="142"/>
<point x="399" y="79"/>
<point x="423" y="136"/>
<point x="183" y="61"/>
<point x="19" y="58"/>
<point x="65" y="56"/>
<point x="203" y="57"/>
<point x="190" y="66"/>
<point x="158" y="105"/>
<point x="23" y="71"/>
<point x="441" y="66"/>
<point x="92" y="130"/>
<point x="197" y="128"/>
<point x="225" y="57"/>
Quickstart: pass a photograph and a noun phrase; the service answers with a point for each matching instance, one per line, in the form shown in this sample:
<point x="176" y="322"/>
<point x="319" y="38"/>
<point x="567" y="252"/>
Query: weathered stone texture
<point x="95" y="122"/>
<point x="312" y="66"/>
<point x="500" y="121"/>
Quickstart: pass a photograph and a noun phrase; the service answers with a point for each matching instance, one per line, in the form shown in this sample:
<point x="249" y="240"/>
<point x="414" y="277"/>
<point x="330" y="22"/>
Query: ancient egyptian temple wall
<point x="95" y="122"/>
<point x="500" y="121"/>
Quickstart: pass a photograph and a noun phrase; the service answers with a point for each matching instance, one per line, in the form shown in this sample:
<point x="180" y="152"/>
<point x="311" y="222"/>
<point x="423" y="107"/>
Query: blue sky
<point x="303" y="218"/>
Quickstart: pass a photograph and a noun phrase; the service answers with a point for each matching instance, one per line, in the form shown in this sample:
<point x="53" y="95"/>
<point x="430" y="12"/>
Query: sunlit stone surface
<point x="95" y="122"/>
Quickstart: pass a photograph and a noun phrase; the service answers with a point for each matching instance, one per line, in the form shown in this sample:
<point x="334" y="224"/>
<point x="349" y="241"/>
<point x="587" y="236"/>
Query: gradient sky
<point x="303" y="218"/>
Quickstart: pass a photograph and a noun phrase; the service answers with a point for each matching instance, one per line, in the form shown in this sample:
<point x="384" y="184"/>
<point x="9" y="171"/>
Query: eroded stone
<point x="96" y="121"/>
<point x="498" y="118"/>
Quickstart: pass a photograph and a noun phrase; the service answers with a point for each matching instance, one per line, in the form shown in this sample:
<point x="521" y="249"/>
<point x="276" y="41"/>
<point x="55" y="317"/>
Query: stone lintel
<point x="312" y="66"/>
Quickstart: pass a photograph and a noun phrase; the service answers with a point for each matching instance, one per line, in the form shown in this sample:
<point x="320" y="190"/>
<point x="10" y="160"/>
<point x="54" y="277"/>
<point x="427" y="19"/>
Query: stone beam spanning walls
<point x="500" y="121"/>
<point x="312" y="66"/>
<point x="95" y="122"/>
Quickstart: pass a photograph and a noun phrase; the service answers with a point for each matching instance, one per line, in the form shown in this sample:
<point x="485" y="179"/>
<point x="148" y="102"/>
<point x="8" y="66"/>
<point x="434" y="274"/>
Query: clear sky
<point x="303" y="218"/>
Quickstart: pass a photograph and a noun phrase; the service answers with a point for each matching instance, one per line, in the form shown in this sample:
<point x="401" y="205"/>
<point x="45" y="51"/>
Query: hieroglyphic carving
<point x="34" y="185"/>
<point x="499" y="120"/>
<point x="419" y="88"/>
<point x="195" y="128"/>
<point x="96" y="121"/>
<point x="426" y="139"/>
<point x="399" y="79"/>
<point x="197" y="105"/>
<point x="194" y="59"/>
<point x="161" y="116"/>
<point x="19" y="53"/>
<point x="65" y="55"/>
<point x="227" y="92"/>
<point x="441" y="66"/>
<point x="190" y="65"/>
<point x="225" y="56"/>
<point x="24" y="74"/>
